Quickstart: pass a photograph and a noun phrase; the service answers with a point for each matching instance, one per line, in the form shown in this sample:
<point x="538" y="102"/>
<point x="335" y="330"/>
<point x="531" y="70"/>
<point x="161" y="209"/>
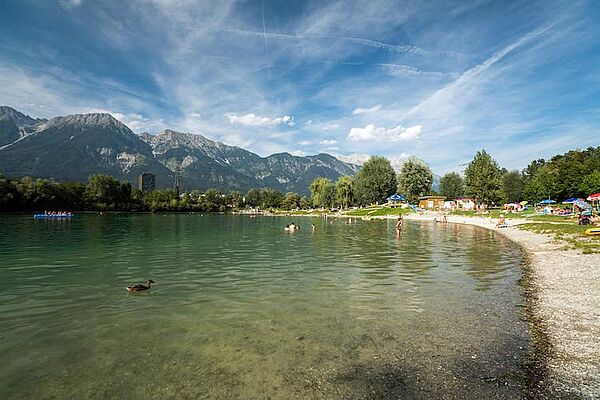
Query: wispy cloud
<point x="361" y="110"/>
<point x="202" y="67"/>
<point x="443" y="98"/>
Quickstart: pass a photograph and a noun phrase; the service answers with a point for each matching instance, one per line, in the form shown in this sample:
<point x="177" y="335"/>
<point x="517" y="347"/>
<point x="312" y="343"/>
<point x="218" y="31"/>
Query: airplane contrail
<point x="265" y="37"/>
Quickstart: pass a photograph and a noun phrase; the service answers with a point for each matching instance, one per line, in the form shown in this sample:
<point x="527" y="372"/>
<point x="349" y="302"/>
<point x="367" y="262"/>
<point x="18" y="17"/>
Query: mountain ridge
<point x="75" y="146"/>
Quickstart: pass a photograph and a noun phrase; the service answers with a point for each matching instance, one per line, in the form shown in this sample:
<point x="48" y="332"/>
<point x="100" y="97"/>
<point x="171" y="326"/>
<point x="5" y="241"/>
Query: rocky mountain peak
<point x="86" y="122"/>
<point x="18" y="118"/>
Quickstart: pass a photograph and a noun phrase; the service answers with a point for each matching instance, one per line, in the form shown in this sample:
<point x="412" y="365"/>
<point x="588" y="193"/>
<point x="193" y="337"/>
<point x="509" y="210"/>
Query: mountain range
<point x="74" y="147"/>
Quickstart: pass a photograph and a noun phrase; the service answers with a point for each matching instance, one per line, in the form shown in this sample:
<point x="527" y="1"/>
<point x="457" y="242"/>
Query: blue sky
<point x="437" y="80"/>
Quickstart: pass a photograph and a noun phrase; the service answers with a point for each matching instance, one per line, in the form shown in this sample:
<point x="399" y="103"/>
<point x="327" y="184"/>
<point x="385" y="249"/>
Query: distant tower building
<point x="146" y="182"/>
<point x="177" y="174"/>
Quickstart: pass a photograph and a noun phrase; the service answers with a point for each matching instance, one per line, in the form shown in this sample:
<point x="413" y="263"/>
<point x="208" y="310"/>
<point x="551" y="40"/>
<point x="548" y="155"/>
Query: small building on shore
<point x="432" y="202"/>
<point x="465" y="204"/>
<point x="146" y="182"/>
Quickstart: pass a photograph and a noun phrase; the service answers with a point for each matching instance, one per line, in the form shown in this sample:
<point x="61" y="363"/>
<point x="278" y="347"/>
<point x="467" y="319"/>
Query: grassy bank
<point x="571" y="234"/>
<point x="530" y="215"/>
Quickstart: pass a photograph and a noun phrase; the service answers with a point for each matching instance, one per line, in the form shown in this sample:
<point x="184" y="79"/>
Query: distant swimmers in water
<point x="291" y="227"/>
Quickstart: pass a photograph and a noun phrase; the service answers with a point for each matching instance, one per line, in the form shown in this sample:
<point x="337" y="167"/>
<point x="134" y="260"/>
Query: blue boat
<point x="39" y="216"/>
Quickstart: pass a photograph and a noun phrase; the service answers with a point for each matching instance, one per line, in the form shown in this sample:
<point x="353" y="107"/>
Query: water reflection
<point x="251" y="312"/>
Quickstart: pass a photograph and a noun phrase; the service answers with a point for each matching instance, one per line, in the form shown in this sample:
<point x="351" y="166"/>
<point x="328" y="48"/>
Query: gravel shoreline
<point x="567" y="287"/>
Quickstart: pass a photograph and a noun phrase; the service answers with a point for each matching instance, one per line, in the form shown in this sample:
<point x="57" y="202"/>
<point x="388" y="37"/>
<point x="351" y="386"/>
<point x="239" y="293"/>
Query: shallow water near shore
<point x="242" y="309"/>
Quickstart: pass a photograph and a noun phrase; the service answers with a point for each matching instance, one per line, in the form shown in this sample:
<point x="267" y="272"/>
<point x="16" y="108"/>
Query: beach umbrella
<point x="594" y="197"/>
<point x="569" y="201"/>
<point x="396" y="197"/>
<point x="582" y="205"/>
<point x="547" y="201"/>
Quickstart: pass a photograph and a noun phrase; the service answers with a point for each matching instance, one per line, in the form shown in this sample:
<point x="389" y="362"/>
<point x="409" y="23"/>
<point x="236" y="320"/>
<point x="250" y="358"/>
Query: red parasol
<point x="594" y="197"/>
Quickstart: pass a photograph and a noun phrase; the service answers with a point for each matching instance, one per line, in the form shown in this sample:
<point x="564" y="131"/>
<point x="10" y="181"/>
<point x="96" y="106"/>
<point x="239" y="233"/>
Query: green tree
<point x="291" y="201"/>
<point x="106" y="192"/>
<point x="9" y="197"/>
<point x="483" y="180"/>
<point x="590" y="184"/>
<point x="213" y="200"/>
<point x="253" y="198"/>
<point x="270" y="198"/>
<point x="329" y="195"/>
<point x="375" y="181"/>
<point x="452" y="186"/>
<point x="344" y="191"/>
<point x="317" y="191"/>
<point x="159" y="200"/>
<point x="415" y="179"/>
<point x="513" y="184"/>
<point x="542" y="185"/>
<point x="532" y="168"/>
<point x="235" y="199"/>
<point x="304" y="203"/>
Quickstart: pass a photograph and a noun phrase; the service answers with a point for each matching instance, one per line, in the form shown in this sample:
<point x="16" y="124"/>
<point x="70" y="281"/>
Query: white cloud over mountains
<point x="255" y="120"/>
<point x="375" y="133"/>
<point x="328" y="142"/>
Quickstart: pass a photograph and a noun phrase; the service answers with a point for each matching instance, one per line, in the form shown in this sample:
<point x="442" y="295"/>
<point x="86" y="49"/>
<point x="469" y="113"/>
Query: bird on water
<point x="140" y="286"/>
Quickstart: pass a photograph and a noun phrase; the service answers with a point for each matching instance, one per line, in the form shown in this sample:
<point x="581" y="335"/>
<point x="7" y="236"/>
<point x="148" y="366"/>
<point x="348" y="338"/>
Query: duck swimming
<point x="139" y="287"/>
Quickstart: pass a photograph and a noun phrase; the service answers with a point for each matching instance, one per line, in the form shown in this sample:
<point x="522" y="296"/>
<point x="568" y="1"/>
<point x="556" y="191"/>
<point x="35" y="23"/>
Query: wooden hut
<point x="432" y="202"/>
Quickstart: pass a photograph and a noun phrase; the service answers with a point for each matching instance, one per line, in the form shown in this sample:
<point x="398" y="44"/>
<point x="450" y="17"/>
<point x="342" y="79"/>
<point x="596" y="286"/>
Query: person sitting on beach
<point x="501" y="222"/>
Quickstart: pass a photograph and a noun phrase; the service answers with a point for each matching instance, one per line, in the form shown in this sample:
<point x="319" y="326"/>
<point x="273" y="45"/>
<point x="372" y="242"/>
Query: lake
<point x="243" y="310"/>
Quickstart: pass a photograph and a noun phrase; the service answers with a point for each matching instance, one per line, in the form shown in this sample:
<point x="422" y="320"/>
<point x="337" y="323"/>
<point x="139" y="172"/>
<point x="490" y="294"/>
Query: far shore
<point x="563" y="292"/>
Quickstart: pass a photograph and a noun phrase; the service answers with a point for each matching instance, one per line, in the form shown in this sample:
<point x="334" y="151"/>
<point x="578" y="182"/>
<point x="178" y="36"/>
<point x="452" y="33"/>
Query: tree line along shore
<point x="573" y="174"/>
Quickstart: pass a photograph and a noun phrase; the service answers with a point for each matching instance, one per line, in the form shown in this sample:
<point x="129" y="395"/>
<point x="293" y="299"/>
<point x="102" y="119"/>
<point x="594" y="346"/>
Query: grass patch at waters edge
<point x="531" y="215"/>
<point x="571" y="234"/>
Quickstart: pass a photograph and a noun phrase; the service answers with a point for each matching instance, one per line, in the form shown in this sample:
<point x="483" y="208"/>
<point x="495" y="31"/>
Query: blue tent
<point x="396" y="197"/>
<point x="547" y="201"/>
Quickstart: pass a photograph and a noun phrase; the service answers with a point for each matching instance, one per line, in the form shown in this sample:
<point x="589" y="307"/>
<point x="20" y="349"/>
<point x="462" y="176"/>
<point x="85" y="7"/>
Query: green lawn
<point x="528" y="214"/>
<point x="571" y="234"/>
<point x="491" y="214"/>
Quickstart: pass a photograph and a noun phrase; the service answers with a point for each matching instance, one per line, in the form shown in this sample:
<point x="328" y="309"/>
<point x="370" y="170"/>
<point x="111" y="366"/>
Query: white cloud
<point x="298" y="153"/>
<point x="361" y="110"/>
<point x="330" y="127"/>
<point x="308" y="123"/>
<point x="375" y="133"/>
<point x="255" y="120"/>
<point x="304" y="142"/>
<point x="328" y="142"/>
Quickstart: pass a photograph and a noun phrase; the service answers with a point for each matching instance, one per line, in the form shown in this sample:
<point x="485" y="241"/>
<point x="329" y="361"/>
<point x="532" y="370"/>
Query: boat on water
<point x="39" y="216"/>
